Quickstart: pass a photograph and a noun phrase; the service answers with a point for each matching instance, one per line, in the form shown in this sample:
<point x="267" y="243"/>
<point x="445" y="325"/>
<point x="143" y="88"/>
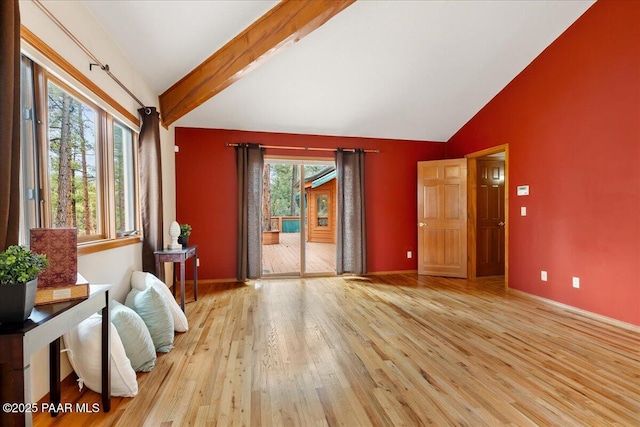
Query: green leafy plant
<point x="185" y="230"/>
<point x="19" y="265"/>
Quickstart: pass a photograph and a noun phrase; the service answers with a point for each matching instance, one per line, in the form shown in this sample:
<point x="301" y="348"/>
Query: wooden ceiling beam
<point x="285" y="24"/>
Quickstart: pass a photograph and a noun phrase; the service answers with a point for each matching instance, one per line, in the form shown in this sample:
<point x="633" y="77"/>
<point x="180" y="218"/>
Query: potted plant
<point x="19" y="269"/>
<point x="185" y="232"/>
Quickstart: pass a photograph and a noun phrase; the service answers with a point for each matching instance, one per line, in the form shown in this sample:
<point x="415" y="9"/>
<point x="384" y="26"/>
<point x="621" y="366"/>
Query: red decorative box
<point x="60" y="245"/>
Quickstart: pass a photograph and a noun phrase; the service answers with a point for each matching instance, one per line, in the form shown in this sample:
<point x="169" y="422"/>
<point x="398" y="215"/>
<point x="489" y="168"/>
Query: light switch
<point x="523" y="211"/>
<point x="543" y="276"/>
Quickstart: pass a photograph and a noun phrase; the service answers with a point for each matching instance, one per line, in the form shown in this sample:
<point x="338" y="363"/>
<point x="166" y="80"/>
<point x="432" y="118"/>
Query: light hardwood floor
<point x="384" y="351"/>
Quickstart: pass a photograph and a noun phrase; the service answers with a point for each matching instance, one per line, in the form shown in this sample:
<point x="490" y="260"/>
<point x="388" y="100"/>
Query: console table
<point x="179" y="256"/>
<point x="46" y="324"/>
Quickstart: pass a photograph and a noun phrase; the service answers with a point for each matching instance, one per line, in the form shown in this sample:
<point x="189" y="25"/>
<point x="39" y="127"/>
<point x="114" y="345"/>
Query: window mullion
<point x="108" y="184"/>
<point x="136" y="184"/>
<point x="42" y="121"/>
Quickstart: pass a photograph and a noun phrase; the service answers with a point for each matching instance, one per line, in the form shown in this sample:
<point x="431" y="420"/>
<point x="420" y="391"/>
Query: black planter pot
<point x="16" y="301"/>
<point x="184" y="241"/>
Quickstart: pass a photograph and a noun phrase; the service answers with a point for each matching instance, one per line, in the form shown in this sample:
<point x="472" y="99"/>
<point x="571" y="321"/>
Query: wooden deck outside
<point x="285" y="256"/>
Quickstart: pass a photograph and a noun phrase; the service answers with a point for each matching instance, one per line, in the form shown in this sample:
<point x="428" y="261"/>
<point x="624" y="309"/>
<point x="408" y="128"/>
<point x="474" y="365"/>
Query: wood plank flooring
<point x="381" y="351"/>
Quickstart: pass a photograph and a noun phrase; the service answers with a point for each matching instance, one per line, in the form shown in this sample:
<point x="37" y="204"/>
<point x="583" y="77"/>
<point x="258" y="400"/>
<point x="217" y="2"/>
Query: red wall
<point x="206" y="193"/>
<point x="572" y="121"/>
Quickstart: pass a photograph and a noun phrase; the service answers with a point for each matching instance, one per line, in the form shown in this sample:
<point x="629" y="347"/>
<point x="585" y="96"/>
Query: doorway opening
<point x="488" y="208"/>
<point x="298" y="217"/>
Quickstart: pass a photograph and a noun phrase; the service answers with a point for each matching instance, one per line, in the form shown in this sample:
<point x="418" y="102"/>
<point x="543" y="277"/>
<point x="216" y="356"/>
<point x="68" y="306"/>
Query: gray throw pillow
<point x="135" y="337"/>
<point x="155" y="313"/>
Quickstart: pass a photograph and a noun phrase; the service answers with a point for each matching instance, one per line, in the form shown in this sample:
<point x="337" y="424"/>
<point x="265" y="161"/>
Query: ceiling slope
<point x="285" y="24"/>
<point x="414" y="70"/>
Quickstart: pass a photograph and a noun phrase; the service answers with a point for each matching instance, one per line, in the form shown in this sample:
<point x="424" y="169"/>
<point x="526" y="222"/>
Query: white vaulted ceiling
<point x="415" y="70"/>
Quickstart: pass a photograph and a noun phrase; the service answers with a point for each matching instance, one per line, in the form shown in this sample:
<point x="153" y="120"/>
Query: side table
<point x="179" y="256"/>
<point x="46" y="325"/>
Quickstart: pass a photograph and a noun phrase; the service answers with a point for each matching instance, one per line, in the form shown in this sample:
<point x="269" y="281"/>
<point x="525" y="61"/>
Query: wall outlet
<point x="409" y="254"/>
<point x="523" y="211"/>
<point x="576" y="282"/>
<point x="197" y="262"/>
<point x="543" y="276"/>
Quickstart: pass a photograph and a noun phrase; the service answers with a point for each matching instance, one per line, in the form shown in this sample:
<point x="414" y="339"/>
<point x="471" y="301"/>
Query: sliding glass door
<point x="281" y="219"/>
<point x="298" y="218"/>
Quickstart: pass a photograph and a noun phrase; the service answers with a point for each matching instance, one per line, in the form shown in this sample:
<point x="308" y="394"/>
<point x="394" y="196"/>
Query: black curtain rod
<point x="103" y="67"/>
<point x="286" y="147"/>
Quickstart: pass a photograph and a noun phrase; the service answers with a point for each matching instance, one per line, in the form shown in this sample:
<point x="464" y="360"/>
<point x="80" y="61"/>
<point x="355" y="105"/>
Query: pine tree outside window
<point x="73" y="162"/>
<point x="124" y="178"/>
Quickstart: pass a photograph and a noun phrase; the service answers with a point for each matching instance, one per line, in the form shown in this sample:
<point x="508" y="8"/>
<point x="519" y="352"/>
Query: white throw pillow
<point x="155" y="313"/>
<point x="141" y="280"/>
<point x="85" y="354"/>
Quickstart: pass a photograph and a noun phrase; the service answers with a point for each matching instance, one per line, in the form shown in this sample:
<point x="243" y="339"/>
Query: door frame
<point x="297" y="161"/>
<point x="472" y="208"/>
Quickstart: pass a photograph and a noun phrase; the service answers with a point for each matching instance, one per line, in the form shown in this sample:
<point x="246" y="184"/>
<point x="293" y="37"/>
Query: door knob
<point x="501" y="224"/>
<point x="422" y="224"/>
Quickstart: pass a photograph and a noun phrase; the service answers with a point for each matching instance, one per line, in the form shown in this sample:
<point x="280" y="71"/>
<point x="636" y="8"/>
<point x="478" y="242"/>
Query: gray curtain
<point x="9" y="123"/>
<point x="351" y="243"/>
<point x="150" y="187"/>
<point x="250" y="165"/>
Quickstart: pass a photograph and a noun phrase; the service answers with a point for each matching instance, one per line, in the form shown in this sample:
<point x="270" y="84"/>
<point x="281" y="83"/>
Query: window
<point x="322" y="206"/>
<point x="124" y="179"/>
<point x="79" y="163"/>
<point x="74" y="191"/>
<point x="29" y="186"/>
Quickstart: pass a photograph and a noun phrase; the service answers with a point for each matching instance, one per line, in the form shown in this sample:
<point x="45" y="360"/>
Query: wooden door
<point x="491" y="219"/>
<point x="442" y="218"/>
<point x="322" y="212"/>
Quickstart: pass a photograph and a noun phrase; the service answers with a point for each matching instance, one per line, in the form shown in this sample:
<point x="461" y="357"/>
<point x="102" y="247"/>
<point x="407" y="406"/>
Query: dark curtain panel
<point x="351" y="244"/>
<point x="150" y="187"/>
<point x="250" y="165"/>
<point x="9" y="158"/>
<point x="9" y="123"/>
